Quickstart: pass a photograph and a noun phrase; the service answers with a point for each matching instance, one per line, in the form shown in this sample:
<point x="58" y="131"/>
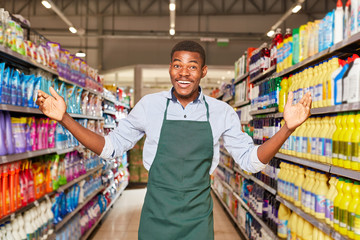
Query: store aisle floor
<point x="122" y="222"/>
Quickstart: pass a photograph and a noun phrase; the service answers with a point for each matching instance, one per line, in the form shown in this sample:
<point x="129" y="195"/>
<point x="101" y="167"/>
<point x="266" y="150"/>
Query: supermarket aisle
<point x="122" y="221"/>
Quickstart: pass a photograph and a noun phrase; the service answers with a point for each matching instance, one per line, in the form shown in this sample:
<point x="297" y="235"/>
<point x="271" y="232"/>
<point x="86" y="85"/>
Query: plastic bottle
<point x="329" y="202"/>
<point x="339" y="22"/>
<point x="321" y="193"/>
<point x="5" y="190"/>
<point x="347" y="20"/>
<point x="337" y="200"/>
<point x="310" y="139"/>
<point x="315" y="140"/>
<point x="324" y="122"/>
<point x="292" y="225"/>
<point x="326" y="68"/>
<point x="308" y="192"/>
<point x="278" y="38"/>
<point x="313" y="193"/>
<point x="283" y="94"/>
<point x="315" y="83"/>
<point x="303" y="191"/>
<point x="297" y="186"/>
<point x="8" y="228"/>
<point x="354" y="83"/>
<point x="283" y="217"/>
<point x="299" y="228"/>
<point x="286" y="180"/>
<point x="347" y="139"/>
<point x="336" y="140"/>
<point x="292" y="181"/>
<point x="355" y="193"/>
<point x="307" y="231"/>
<point x="333" y="65"/>
<point x="303" y="39"/>
<point x="344" y="205"/>
<point x="342" y="140"/>
<point x="29" y="230"/>
<point x="355" y="144"/>
<point x="353" y="17"/>
<point x="315" y="233"/>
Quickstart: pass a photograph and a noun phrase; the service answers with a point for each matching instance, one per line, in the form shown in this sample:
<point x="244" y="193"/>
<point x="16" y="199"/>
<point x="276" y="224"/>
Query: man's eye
<point x="176" y="66"/>
<point x="193" y="67"/>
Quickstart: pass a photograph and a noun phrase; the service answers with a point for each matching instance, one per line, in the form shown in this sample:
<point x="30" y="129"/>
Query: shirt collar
<point x="170" y="95"/>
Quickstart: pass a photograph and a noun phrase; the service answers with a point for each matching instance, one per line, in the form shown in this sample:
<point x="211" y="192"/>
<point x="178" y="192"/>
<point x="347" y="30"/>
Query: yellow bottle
<point x="307" y="189"/>
<point x="303" y="139"/>
<point x="355" y="193"/>
<point x="334" y="65"/>
<point x="298" y="183"/>
<point x="310" y="132"/>
<point x="283" y="217"/>
<point x="303" y="191"/>
<point x="279" y="65"/>
<point x="344" y="205"/>
<point x="329" y="140"/>
<point x="303" y="42"/>
<point x="314" y="83"/>
<point x="315" y="140"/>
<point x="322" y="91"/>
<point x="329" y="203"/>
<point x="336" y="140"/>
<point x="326" y="141"/>
<point x="321" y="235"/>
<point x="342" y="140"/>
<point x="310" y="84"/>
<point x="321" y="193"/>
<point x="315" y="234"/>
<point x="280" y="180"/>
<point x="283" y="93"/>
<point x="357" y="223"/>
<point x="347" y="139"/>
<point x="307" y="231"/>
<point x="292" y="181"/>
<point x="337" y="201"/>
<point x="286" y="180"/>
<point x="299" y="228"/>
<point x="292" y="226"/>
<point x="355" y="144"/>
<point x="313" y="193"/>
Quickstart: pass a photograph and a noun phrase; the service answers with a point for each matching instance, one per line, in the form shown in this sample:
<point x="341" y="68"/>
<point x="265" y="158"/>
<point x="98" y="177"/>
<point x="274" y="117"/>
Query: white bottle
<point x="35" y="220"/>
<point x="339" y="22"/>
<point x="347" y="20"/>
<point x="29" y="229"/>
<point x="15" y="229"/>
<point x="43" y="218"/>
<point x="354" y="82"/>
<point x="353" y="16"/>
<point x="9" y="235"/>
<point x="50" y="218"/>
<point x="21" y="224"/>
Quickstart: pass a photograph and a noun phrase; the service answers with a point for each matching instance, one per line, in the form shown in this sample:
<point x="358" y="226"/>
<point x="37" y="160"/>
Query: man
<point x="182" y="128"/>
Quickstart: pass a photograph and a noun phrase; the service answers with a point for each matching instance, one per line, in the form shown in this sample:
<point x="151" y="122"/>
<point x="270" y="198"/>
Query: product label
<point x="355" y="152"/>
<point x="331" y="211"/>
<point x="282" y="227"/>
<point x="320" y="204"/>
<point x="313" y="202"/>
<point x="308" y="199"/>
<point x="343" y="218"/>
<point x="298" y="146"/>
<point x="336" y="215"/>
<point x="304" y="144"/>
<point x="328" y="147"/>
<point x="313" y="145"/>
<point x="357" y="225"/>
<point x="342" y="150"/>
<point x="327" y="208"/>
<point x="351" y="221"/>
<point x="296" y="193"/>
<point x="292" y="188"/>
<point x="335" y="152"/>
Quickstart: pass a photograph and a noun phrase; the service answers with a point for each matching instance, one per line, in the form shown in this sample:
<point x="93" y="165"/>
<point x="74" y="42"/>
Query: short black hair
<point x="189" y="46"/>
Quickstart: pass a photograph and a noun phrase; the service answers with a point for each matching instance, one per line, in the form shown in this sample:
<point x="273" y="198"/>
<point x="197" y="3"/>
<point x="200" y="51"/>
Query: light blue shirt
<point x="147" y="118"/>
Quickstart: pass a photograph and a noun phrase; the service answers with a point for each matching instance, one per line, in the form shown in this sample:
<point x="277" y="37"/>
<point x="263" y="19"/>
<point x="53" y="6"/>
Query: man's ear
<point x="204" y="71"/>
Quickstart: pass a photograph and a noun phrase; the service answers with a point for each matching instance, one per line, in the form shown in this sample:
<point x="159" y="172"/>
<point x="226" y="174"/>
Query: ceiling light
<point x="80" y="54"/>
<point x="72" y="29"/>
<point x="46" y="4"/>
<point x="172" y="6"/>
<point x="296" y="8"/>
<point x="270" y="33"/>
<point x="172" y="31"/>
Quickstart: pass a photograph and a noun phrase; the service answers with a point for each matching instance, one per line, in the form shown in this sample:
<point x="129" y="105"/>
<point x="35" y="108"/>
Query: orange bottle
<point x="12" y="194"/>
<point x="48" y="180"/>
<point x="17" y="185"/>
<point x="1" y="214"/>
<point x="5" y="190"/>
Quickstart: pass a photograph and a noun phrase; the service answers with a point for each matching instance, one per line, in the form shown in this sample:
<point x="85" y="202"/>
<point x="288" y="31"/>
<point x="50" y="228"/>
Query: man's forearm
<point x="89" y="139"/>
<point x="268" y="149"/>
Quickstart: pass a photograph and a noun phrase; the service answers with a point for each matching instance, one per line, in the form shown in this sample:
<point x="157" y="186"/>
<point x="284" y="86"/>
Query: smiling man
<point x="182" y="128"/>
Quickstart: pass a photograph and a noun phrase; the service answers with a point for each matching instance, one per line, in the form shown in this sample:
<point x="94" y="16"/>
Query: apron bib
<point x="178" y="204"/>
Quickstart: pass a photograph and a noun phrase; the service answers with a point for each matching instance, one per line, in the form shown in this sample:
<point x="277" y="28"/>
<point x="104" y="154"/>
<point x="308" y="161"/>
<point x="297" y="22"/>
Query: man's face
<point x="185" y="73"/>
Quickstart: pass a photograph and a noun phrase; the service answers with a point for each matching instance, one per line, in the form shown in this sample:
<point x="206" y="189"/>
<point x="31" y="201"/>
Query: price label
<point x="36" y="203"/>
<point x="337" y="108"/>
<point x="345" y="107"/>
<point x="356" y="105"/>
<point x="12" y="216"/>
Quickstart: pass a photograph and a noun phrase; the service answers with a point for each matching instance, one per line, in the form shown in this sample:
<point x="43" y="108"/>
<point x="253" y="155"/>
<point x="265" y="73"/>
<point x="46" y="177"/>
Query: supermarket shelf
<point x="226" y="167"/>
<point x="335" y="49"/>
<point x="12" y="108"/>
<point x="264" y="111"/>
<point x="110" y="126"/>
<point x="278" y="115"/>
<point x="74" y="115"/>
<point x="7" y="53"/>
<point x="228" y="99"/>
<point x="241" y="201"/>
<point x="263" y="75"/>
<point x="337" y="108"/>
<point x="72" y="214"/>
<point x="315" y="222"/>
<point x="220" y="96"/>
<point x="67" y="150"/>
<point x="240" y="78"/>
<point x="109" y="99"/>
<point x="337" y="236"/>
<point x="345" y="172"/>
<point x="305" y="162"/>
<point x="110" y="112"/>
<point x="88" y="233"/>
<point x="230" y="214"/>
<point x="27" y="207"/>
<point x="241" y="172"/>
<point x="240" y="104"/>
<point x="226" y="184"/>
<point x="263" y="185"/>
<point x="91" y="171"/>
<point x="19" y="156"/>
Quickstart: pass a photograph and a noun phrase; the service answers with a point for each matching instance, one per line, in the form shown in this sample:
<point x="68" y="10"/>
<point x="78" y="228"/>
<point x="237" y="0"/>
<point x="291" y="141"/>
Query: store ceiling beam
<point x="148" y="6"/>
<point x="131" y="7"/>
<point x="231" y="6"/>
<point x="24" y="6"/>
<point x="213" y="5"/>
<point x="255" y="5"/>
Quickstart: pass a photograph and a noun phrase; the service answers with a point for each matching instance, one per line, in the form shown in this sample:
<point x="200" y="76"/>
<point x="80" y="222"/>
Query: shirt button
<point x="184" y="116"/>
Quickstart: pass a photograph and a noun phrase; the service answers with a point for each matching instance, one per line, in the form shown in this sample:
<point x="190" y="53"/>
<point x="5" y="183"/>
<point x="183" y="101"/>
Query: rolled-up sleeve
<point x="240" y="145"/>
<point x="127" y="133"/>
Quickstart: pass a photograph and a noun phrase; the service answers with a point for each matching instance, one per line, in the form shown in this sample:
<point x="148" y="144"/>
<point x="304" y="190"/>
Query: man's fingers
<point x="54" y="93"/>
<point x="42" y="94"/>
<point x="290" y="98"/>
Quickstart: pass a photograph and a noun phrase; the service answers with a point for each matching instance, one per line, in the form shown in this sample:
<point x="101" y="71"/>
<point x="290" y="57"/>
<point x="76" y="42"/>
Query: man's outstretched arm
<point x="54" y="107"/>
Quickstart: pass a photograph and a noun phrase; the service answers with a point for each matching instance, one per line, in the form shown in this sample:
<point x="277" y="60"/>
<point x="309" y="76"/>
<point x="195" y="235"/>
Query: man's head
<point x="186" y="69"/>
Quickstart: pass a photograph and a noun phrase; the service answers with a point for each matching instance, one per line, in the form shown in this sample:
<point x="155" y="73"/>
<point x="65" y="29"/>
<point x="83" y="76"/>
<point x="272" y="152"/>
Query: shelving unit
<point x="263" y="75"/>
<point x="240" y="78"/>
<point x="110" y="126"/>
<point x="230" y="214"/>
<point x="227" y="168"/>
<point x="263" y="185"/>
<point x="228" y="99"/>
<point x="117" y="196"/>
<point x="240" y="104"/>
<point x="109" y="112"/>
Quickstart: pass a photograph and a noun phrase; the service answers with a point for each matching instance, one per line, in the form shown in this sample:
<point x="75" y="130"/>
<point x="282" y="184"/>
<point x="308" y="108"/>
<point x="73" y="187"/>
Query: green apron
<point x="178" y="204"/>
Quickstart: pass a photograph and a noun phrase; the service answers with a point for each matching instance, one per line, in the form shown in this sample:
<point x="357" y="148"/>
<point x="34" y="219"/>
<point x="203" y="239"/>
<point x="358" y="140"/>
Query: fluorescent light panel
<point x="296" y="8"/>
<point x="46" y="4"/>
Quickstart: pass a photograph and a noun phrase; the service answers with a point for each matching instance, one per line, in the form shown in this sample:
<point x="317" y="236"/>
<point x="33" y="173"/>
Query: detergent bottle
<point x="308" y="188"/>
<point x="342" y="140"/>
<point x="343" y="207"/>
<point x="292" y="225"/>
<point x="329" y="202"/>
<point x="321" y="192"/>
<point x="283" y="216"/>
<point x="347" y="139"/>
<point x="303" y="191"/>
<point x="297" y="186"/>
<point x="313" y="193"/>
<point x="336" y="140"/>
<point x="307" y="231"/>
<point x="355" y="144"/>
<point x="337" y="200"/>
<point x="355" y="192"/>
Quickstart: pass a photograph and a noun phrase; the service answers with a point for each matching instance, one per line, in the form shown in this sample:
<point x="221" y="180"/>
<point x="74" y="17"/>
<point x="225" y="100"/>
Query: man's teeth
<point x="185" y="82"/>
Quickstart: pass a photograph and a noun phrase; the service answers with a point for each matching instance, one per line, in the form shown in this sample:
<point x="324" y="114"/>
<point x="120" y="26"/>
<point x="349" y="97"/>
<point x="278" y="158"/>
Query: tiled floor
<point x="122" y="222"/>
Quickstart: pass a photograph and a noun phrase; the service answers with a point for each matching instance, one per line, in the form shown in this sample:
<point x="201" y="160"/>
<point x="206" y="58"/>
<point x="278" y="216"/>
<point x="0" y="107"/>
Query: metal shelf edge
<point x="263" y="185"/>
<point x="240" y="104"/>
<point x="240" y="78"/>
<point x="264" y="74"/>
<point x="305" y="162"/>
<point x="19" y="156"/>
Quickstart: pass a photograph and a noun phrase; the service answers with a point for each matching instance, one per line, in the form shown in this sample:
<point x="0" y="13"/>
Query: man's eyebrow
<point x="176" y="59"/>
<point x="192" y="61"/>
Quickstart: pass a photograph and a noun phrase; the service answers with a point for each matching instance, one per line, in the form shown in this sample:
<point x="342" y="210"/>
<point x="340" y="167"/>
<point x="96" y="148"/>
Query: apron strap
<point x="206" y="105"/>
